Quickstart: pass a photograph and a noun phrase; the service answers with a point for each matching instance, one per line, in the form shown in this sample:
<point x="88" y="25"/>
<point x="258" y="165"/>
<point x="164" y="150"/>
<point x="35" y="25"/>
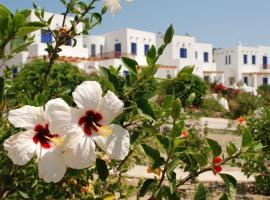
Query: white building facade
<point x="91" y="52"/>
<point x="248" y="65"/>
<point x="183" y="51"/>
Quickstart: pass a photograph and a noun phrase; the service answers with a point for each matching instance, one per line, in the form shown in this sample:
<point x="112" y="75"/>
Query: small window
<point x="126" y="73"/>
<point x="196" y="55"/>
<point x="117" y="47"/>
<point x="206" y="79"/>
<point x="245" y="59"/>
<point x="101" y="49"/>
<point x="168" y="76"/>
<point x="69" y="42"/>
<point x="226" y="60"/>
<point x="229" y="59"/>
<point x="14" y="72"/>
<point x="253" y="60"/>
<point x="93" y="50"/>
<point x="46" y="36"/>
<point x="265" y="62"/>
<point x="134" y="48"/>
<point x="183" y="53"/>
<point x="265" y="81"/>
<point x="205" y="57"/>
<point x="246" y="80"/>
<point x="146" y="48"/>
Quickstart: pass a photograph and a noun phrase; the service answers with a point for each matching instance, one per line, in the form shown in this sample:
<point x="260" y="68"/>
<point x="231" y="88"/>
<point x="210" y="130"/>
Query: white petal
<point x="51" y="166"/>
<point x="116" y="145"/>
<point x="111" y="106"/>
<point x="79" y="152"/>
<point x="113" y="5"/>
<point x="21" y="147"/>
<point x="26" y="117"/>
<point x="88" y="95"/>
<point x="59" y="116"/>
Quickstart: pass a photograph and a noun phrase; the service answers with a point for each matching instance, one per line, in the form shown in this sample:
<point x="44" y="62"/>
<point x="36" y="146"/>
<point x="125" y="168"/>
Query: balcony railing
<point x="111" y="55"/>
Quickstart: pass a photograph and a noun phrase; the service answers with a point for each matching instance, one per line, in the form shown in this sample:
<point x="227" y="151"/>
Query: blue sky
<point x="220" y="22"/>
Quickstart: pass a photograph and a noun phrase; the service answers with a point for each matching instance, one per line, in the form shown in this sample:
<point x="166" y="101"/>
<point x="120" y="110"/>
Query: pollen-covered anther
<point x="57" y="141"/>
<point x="104" y="131"/>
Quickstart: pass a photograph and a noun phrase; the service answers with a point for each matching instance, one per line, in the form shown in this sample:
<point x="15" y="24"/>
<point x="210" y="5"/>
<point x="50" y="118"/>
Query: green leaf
<point x="224" y="197"/>
<point x="215" y="147"/>
<point x="231" y="149"/>
<point x="191" y="98"/>
<point x="23" y="31"/>
<point x="24" y="195"/>
<point x="50" y="20"/>
<point x="168" y="102"/>
<point x="19" y="20"/>
<point x="146" y="187"/>
<point x="176" y="109"/>
<point x="200" y="158"/>
<point x="102" y="169"/>
<point x="131" y="65"/>
<point x="151" y="55"/>
<point x="4" y="12"/>
<point x="1" y="89"/>
<point x="164" y="141"/>
<point x="246" y="138"/>
<point x="201" y="193"/>
<point x="110" y="77"/>
<point x="173" y="164"/>
<point x="152" y="153"/>
<point x="169" y="35"/>
<point x="145" y="107"/>
<point x="185" y="72"/>
<point x="230" y="183"/>
<point x="158" y="163"/>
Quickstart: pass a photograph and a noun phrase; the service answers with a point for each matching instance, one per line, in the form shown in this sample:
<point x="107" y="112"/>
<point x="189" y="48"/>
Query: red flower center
<point x="90" y="121"/>
<point x="43" y="136"/>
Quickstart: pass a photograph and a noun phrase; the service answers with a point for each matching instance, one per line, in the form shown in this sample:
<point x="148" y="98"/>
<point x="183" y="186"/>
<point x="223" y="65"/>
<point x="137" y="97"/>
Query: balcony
<point x="111" y="55"/>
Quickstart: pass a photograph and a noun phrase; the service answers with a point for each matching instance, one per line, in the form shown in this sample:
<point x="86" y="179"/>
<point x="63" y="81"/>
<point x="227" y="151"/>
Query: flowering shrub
<point x="82" y="150"/>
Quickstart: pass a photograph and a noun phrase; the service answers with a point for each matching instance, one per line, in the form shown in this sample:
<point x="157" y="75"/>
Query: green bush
<point x="210" y="107"/>
<point x="256" y="164"/>
<point x="184" y="87"/>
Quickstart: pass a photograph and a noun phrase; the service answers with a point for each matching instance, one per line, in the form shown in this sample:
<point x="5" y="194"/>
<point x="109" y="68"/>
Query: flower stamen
<point x="57" y="141"/>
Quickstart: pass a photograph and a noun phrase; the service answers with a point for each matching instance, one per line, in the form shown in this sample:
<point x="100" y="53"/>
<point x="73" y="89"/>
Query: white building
<point x="91" y="52"/>
<point x="183" y="51"/>
<point x="249" y="65"/>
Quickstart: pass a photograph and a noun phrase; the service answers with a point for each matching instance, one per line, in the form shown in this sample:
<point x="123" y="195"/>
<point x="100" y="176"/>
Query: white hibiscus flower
<point x="113" y="6"/>
<point x="90" y="124"/>
<point x="40" y="139"/>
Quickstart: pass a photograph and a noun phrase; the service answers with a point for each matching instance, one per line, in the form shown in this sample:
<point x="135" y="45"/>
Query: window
<point x="68" y="43"/>
<point x="229" y="59"/>
<point x="265" y="80"/>
<point x="93" y="50"/>
<point x="134" y="48"/>
<point x="46" y="36"/>
<point x="101" y="49"/>
<point x="183" y="53"/>
<point x="246" y="80"/>
<point x="245" y="59"/>
<point x="206" y="79"/>
<point x="226" y="60"/>
<point x="196" y="55"/>
<point x="117" y="47"/>
<point x="265" y="62"/>
<point x="205" y="57"/>
<point x="146" y="48"/>
<point x="14" y="72"/>
<point x="168" y="75"/>
<point x="126" y="73"/>
<point x="253" y="60"/>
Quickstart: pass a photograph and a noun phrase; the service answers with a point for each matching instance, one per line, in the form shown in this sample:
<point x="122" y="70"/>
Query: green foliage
<point x="188" y="87"/>
<point x="210" y="107"/>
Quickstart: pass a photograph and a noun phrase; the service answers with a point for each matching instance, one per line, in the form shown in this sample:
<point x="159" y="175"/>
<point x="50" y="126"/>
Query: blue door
<point x="117" y="47"/>
<point x="46" y="36"/>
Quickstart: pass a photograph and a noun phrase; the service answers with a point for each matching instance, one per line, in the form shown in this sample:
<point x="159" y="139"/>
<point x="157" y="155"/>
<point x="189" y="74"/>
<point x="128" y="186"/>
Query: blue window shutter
<point x="245" y="59"/>
<point x="117" y="47"/>
<point x="183" y="53"/>
<point x="46" y="36"/>
<point x="14" y="72"/>
<point x="265" y="80"/>
<point x="265" y="62"/>
<point x="134" y="48"/>
<point x="146" y="48"/>
<point x="253" y="59"/>
<point x="205" y="57"/>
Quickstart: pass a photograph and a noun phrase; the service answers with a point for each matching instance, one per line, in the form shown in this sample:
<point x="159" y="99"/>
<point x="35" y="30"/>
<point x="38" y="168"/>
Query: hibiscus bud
<point x="155" y="171"/>
<point x="184" y="134"/>
<point x="240" y="120"/>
